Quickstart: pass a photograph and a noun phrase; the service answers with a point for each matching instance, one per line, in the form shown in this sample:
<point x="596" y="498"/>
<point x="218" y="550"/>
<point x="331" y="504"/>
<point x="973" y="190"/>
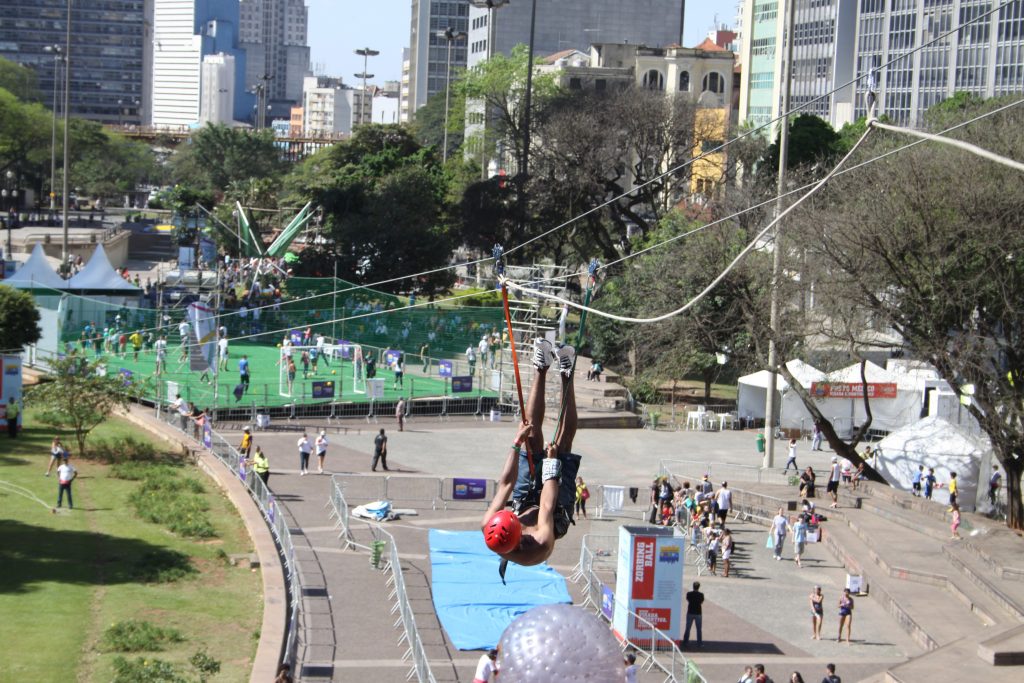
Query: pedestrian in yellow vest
<point x="260" y="465"/>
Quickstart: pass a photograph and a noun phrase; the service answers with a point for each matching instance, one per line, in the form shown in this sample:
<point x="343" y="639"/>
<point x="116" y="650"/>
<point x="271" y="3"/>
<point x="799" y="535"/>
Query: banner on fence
<point x="462" y="384"/>
<point x="649" y="583"/>
<point x="469" y="489"/>
<point x="323" y="389"/>
<point x="444" y="368"/>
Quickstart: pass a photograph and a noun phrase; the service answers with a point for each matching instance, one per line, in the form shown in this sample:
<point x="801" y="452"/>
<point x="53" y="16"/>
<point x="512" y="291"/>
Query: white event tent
<point x="102" y="291"/>
<point x="935" y="442"/>
<point x="36" y="273"/>
<point x="753" y="392"/>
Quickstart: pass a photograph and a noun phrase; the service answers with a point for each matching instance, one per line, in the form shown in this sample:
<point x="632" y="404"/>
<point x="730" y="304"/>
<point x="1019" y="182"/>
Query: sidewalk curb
<point x="275" y="593"/>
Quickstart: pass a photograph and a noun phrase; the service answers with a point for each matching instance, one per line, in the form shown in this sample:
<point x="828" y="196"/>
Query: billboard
<point x="852" y="390"/>
<point x="649" y="584"/>
<point x="10" y="385"/>
<point x="469" y="489"/>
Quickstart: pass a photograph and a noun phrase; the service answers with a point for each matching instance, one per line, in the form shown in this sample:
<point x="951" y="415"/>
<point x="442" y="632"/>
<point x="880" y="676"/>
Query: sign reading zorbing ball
<point x="560" y="643"/>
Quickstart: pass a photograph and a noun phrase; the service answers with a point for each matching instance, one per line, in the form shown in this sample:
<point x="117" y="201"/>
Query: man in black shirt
<point x="830" y="675"/>
<point x="380" y="451"/>
<point x="694" y="600"/>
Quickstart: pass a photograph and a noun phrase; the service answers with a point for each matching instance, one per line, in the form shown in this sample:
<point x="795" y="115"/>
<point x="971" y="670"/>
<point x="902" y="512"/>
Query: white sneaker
<point x="566" y="355"/>
<point x="541" y="353"/>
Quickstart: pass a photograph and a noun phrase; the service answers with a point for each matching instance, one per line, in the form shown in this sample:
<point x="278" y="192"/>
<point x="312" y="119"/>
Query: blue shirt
<point x="917" y="477"/>
<point x="243" y="366"/>
<point x="800" y="532"/>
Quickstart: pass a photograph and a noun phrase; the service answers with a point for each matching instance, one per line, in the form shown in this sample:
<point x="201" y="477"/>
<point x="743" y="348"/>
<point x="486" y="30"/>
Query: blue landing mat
<point x="471" y="602"/>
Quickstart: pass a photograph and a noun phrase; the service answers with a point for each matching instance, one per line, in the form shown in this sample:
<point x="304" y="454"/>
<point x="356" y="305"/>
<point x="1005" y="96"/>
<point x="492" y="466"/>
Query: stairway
<point x="963" y="609"/>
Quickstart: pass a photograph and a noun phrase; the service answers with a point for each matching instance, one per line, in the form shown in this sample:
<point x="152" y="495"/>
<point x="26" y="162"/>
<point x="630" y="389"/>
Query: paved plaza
<point x="759" y="615"/>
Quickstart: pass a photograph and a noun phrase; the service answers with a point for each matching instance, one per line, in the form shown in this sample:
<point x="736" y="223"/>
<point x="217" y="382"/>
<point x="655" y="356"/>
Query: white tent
<point x="98" y="276"/>
<point x="934" y="442"/>
<point x="752" y="392"/>
<point x="36" y="273"/>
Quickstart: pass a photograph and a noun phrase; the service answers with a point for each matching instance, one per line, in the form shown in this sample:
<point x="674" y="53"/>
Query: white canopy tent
<point x="935" y="442"/>
<point x="36" y="273"/>
<point x="98" y="276"/>
<point x="752" y="393"/>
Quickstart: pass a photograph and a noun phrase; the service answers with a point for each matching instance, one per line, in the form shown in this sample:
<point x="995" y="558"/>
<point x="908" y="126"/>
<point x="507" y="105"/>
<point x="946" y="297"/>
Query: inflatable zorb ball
<point x="560" y="643"/>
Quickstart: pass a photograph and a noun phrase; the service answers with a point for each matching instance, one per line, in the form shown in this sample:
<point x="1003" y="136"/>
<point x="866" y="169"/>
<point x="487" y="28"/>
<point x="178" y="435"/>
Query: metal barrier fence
<point x="396" y="580"/>
<point x="723" y="471"/>
<point x="438" y="492"/>
<point x="275" y="519"/>
<point x="751" y="502"/>
<point x="660" y="651"/>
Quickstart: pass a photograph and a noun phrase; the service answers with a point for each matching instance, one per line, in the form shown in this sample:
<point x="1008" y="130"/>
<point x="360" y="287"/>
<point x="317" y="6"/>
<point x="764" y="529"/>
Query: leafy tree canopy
<point x="19" y="319"/>
<point x="219" y="155"/>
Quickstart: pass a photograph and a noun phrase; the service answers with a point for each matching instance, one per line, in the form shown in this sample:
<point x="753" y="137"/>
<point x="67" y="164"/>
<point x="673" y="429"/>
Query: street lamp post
<point x="365" y="53"/>
<point x="10" y="197"/>
<point x="58" y="57"/>
<point x="67" y="146"/>
<point x="120" y="112"/>
<point x="450" y="36"/>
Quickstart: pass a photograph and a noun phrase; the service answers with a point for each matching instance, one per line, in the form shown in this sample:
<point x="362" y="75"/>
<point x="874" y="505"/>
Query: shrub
<point x="134" y="470"/>
<point x="163" y="566"/>
<point x="174" y="502"/>
<point x="141" y="670"/>
<point x="123" y="449"/>
<point x="205" y="665"/>
<point x="137" y="636"/>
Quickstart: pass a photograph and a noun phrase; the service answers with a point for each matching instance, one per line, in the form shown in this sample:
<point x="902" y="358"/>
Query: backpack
<point x="585" y="494"/>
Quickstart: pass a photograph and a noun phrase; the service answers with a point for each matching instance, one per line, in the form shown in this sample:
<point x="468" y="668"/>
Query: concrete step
<point x="998" y="547"/>
<point x="1004" y="649"/>
<point x="970" y="567"/>
<point x="913" y="558"/>
<point x="941" y="663"/>
<point x="923" y="610"/>
<point x="927" y="526"/>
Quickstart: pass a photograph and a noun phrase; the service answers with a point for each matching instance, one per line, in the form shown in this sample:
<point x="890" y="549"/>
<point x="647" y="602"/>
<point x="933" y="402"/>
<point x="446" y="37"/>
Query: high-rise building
<point x="822" y="59"/>
<point x="572" y="24"/>
<point x="986" y="58"/>
<point x="386" y="103"/>
<point x="329" y="107"/>
<point x="403" y="95"/>
<point x="217" y="89"/>
<point x="838" y="40"/>
<point x="184" y="32"/>
<point x="428" y="47"/>
<point x="109" y="52"/>
<point x="274" y="35"/>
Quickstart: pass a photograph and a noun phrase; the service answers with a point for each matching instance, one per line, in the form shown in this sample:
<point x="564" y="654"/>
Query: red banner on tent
<point x="852" y="390"/>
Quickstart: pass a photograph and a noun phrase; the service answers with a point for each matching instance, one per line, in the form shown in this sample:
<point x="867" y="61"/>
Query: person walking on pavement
<point x="246" y="446"/>
<point x="380" y="451"/>
<point x="780" y="525"/>
<point x="400" y="414"/>
<point x="321" y="450"/>
<point x="816" y="436"/>
<point x="304" y="450"/>
<point x="261" y="466"/>
<point x="792" y="457"/>
<point x="830" y="674"/>
<point x="694" y="614"/>
<point x="724" y="500"/>
<point x="817" y="612"/>
<point x="800" y="529"/>
<point x="834" y="476"/>
<point x="66" y="474"/>
<point x="994" y="483"/>
<point x="845" y="615"/>
<point x="727" y="546"/>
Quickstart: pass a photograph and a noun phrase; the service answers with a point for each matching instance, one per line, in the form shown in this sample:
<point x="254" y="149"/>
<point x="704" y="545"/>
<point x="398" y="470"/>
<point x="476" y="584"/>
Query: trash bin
<point x="495" y="415"/>
<point x="760" y="442"/>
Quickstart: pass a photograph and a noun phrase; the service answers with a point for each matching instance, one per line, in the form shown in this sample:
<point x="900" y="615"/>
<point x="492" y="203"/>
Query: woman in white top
<point x="321" y="450"/>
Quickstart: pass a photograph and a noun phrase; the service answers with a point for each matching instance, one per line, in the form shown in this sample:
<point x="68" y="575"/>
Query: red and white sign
<point x="660" y="617"/>
<point x="643" y="567"/>
<point x="852" y="390"/>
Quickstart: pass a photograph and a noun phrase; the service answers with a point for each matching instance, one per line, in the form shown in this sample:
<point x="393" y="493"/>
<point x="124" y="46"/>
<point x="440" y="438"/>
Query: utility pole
<point x="773" y="360"/>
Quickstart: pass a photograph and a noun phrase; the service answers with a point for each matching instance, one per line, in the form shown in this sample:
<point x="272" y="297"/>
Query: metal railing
<point x="438" y="492"/>
<point x="660" y="651"/>
<point x="391" y="565"/>
<point x="732" y="472"/>
<point x="272" y="514"/>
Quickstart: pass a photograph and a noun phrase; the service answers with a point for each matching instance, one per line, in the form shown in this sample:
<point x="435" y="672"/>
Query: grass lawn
<point x="66" y="577"/>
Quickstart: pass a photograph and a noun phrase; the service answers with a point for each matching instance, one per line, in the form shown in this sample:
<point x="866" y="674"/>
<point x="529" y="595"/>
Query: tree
<point x="219" y="155"/>
<point x="925" y="250"/>
<point x="689" y="344"/>
<point x="428" y="122"/>
<point x="19" y="320"/>
<point x="383" y="199"/>
<point x="811" y="140"/>
<point x="19" y="80"/>
<point x="78" y="394"/>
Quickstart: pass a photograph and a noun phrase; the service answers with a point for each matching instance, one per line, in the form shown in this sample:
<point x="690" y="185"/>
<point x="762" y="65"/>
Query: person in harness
<point x="542" y="492"/>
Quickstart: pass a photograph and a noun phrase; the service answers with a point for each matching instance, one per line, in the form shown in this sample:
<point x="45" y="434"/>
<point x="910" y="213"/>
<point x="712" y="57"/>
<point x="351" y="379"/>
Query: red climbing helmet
<point x="503" y="531"/>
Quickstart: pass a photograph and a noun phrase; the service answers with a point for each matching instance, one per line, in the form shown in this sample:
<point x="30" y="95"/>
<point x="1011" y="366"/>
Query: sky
<point x="338" y="27"/>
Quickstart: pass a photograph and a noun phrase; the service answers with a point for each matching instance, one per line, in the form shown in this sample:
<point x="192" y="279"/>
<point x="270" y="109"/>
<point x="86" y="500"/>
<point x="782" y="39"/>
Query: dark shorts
<point x="916" y="486"/>
<point x="833" y="487"/>
<point x="522" y="492"/>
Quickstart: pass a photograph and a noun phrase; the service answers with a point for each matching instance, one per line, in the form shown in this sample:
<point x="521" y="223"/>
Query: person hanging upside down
<point x="542" y="505"/>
